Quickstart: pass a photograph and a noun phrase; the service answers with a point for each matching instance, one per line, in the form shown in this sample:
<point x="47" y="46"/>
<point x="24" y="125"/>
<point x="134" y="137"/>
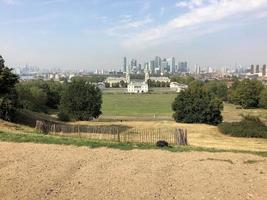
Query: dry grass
<point x="199" y="135"/>
<point x="14" y="128"/>
<point x="231" y="113"/>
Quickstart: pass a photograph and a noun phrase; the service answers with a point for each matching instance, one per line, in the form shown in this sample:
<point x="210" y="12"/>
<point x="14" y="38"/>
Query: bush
<point x="63" y="117"/>
<point x="251" y="127"/>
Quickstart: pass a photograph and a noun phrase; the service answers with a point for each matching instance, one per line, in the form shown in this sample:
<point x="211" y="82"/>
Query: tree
<point x="197" y="105"/>
<point x="219" y="88"/>
<point x="246" y="93"/>
<point x="31" y="97"/>
<point x="81" y="100"/>
<point x="39" y="95"/>
<point x="263" y="98"/>
<point x="8" y="95"/>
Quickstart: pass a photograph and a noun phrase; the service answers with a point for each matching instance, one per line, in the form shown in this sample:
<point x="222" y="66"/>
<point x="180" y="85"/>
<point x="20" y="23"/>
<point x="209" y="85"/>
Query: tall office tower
<point x="198" y="69"/>
<point x="264" y="70"/>
<point x="157" y="62"/>
<point x="152" y="66"/>
<point x="171" y="64"/>
<point x="257" y="69"/>
<point x="124" y="64"/>
<point x="182" y="67"/>
<point x="134" y="65"/>
<point x="252" y="69"/>
<point x="164" y="66"/>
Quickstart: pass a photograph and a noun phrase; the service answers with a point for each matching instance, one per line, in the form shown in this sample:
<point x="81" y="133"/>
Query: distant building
<point x="264" y="70"/>
<point x="257" y="69"/>
<point x="114" y="80"/>
<point x="124" y="64"/>
<point x="252" y="69"/>
<point x="178" y="87"/>
<point x="160" y="79"/>
<point x="182" y="67"/>
<point x="137" y="87"/>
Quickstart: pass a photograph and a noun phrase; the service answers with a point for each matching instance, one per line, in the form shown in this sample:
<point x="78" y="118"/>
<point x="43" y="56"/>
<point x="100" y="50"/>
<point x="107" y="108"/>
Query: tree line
<point x="78" y="100"/>
<point x="202" y="102"/>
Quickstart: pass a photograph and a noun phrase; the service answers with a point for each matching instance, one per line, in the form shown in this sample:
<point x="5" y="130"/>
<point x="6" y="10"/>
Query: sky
<point x="99" y="33"/>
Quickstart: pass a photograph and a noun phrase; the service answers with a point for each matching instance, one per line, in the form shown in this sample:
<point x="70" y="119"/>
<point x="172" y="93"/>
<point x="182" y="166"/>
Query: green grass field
<point x="159" y="104"/>
<point x="137" y="104"/>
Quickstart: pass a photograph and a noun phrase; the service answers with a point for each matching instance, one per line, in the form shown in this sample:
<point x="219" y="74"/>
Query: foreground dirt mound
<point x="32" y="171"/>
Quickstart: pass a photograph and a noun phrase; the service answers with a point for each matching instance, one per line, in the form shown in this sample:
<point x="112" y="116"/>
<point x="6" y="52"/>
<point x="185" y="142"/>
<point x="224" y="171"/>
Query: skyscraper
<point x="157" y="62"/>
<point x="124" y="64"/>
<point x="252" y="69"/>
<point x="264" y="70"/>
<point x="257" y="69"/>
<point x="164" y="66"/>
<point x="182" y="67"/>
<point x="171" y="64"/>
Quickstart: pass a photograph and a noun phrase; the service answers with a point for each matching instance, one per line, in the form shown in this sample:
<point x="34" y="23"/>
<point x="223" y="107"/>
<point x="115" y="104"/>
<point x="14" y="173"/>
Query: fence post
<point x="79" y="131"/>
<point x="181" y="137"/>
<point x="119" y="137"/>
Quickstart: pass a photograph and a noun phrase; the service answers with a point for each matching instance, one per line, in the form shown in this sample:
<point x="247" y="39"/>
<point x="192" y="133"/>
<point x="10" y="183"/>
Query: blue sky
<point x="98" y="33"/>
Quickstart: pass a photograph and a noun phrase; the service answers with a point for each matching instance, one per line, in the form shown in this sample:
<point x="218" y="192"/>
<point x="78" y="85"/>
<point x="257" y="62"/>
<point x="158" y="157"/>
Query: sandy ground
<point x="34" y="171"/>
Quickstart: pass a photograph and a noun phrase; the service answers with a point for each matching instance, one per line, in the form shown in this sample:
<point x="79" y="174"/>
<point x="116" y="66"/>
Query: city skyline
<point x="94" y="34"/>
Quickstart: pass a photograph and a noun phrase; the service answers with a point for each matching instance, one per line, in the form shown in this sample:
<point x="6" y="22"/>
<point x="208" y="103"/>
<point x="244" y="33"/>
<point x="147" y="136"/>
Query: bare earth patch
<point x="34" y="171"/>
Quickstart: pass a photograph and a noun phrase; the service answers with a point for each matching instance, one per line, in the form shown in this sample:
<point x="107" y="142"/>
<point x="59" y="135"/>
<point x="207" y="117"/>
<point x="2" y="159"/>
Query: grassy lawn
<point x="137" y="104"/>
<point x="146" y="105"/>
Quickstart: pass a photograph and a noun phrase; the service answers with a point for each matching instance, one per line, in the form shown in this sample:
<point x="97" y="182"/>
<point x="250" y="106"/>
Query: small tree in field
<point x="197" y="105"/>
<point x="81" y="100"/>
<point x="7" y="91"/>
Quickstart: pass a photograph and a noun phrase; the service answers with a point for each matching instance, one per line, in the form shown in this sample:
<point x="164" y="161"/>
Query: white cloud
<point x="211" y="12"/>
<point x="127" y="26"/>
<point x="9" y="2"/>
<point x="190" y="4"/>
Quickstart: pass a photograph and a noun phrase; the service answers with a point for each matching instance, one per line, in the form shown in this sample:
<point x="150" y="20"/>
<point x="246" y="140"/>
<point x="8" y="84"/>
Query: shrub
<point x="249" y="127"/>
<point x="63" y="117"/>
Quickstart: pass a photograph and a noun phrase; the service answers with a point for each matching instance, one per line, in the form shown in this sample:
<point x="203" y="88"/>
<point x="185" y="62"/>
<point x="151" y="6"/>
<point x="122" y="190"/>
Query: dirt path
<point x="34" y="171"/>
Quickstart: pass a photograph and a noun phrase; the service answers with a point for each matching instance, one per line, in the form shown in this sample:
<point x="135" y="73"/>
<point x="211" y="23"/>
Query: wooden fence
<point x="119" y="133"/>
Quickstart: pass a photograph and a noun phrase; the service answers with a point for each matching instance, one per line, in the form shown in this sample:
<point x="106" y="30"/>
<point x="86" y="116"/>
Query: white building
<point x="160" y="79"/>
<point x="178" y="87"/>
<point x="114" y="80"/>
<point x="137" y="87"/>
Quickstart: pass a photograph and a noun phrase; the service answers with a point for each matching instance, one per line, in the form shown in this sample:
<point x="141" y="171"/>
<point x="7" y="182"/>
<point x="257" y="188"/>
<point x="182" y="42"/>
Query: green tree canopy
<point x="246" y="93"/>
<point x="39" y="95"/>
<point x="7" y="91"/>
<point x="197" y="105"/>
<point x="219" y="88"/>
<point x="81" y="100"/>
<point x="263" y="98"/>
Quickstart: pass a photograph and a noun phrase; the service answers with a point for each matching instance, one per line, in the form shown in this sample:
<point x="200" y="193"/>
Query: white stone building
<point x="178" y="87"/>
<point x="114" y="80"/>
<point x="137" y="87"/>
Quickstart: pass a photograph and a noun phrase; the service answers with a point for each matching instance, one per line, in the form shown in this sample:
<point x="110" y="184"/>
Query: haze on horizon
<point x="99" y="33"/>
